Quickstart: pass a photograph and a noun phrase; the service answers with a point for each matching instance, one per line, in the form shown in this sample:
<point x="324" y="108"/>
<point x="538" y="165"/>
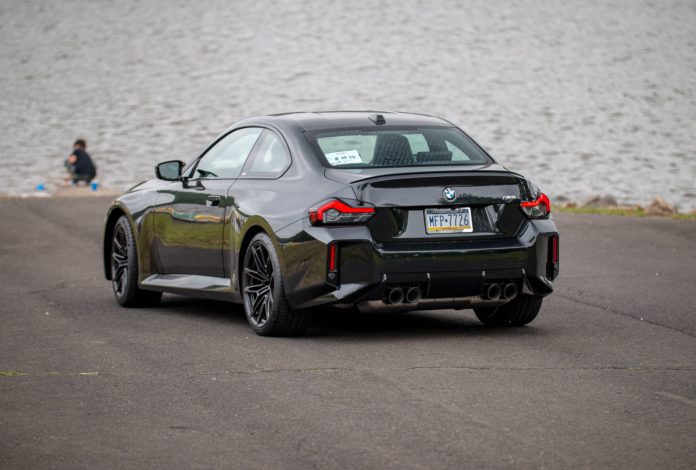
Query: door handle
<point x="213" y="201"/>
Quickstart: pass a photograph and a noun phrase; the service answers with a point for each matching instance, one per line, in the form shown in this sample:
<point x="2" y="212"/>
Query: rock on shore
<point x="660" y="207"/>
<point x="600" y="201"/>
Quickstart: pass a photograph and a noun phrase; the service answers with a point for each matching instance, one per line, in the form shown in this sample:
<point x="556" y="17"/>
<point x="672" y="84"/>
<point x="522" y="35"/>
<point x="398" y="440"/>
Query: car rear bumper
<point x="450" y="274"/>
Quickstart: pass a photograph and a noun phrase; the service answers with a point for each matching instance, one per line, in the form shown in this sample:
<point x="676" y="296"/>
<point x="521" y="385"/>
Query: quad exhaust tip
<point x="510" y="291"/>
<point x="413" y="295"/>
<point x="395" y="296"/>
<point x="494" y="292"/>
<point x="497" y="291"/>
<point x="398" y="295"/>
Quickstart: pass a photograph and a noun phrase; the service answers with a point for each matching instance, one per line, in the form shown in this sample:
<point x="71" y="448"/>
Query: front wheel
<point x="265" y="305"/>
<point x="124" y="269"/>
<point x="517" y="312"/>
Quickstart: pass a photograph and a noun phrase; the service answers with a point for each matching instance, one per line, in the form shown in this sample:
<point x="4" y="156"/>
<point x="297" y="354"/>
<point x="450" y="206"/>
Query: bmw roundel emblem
<point x="449" y="194"/>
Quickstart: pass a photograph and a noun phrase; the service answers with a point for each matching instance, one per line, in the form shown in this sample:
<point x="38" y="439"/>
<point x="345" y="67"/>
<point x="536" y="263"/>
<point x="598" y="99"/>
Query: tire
<point x="267" y="310"/>
<point x="517" y="312"/>
<point x="124" y="269"/>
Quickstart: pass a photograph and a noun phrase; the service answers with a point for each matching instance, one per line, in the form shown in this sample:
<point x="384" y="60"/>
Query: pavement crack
<point x="298" y="370"/>
<point x="52" y="287"/>
<point x="622" y="313"/>
<point x="19" y="373"/>
<point x="598" y="368"/>
<point x="679" y="398"/>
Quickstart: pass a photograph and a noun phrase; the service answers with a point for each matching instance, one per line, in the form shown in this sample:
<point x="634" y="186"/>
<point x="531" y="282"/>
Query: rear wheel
<point x="517" y="312"/>
<point x="265" y="305"/>
<point x="124" y="269"/>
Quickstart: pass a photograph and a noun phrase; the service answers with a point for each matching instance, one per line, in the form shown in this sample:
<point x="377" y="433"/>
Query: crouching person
<point x="79" y="164"/>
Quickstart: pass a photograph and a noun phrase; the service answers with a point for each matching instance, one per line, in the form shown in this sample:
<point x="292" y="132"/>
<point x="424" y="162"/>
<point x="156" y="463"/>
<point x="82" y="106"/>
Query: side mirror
<point x="169" y="171"/>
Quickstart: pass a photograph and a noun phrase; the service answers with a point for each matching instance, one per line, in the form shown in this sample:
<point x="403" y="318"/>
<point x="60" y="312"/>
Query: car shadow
<point x="337" y="323"/>
<point x="213" y="310"/>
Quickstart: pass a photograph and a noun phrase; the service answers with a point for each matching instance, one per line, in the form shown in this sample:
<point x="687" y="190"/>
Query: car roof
<point x="316" y="120"/>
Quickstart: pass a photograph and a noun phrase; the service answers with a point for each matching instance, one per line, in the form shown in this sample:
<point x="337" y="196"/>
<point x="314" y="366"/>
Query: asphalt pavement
<point x="604" y="378"/>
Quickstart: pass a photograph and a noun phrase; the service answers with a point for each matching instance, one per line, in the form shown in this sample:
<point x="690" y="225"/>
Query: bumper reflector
<point x="332" y="266"/>
<point x="552" y="259"/>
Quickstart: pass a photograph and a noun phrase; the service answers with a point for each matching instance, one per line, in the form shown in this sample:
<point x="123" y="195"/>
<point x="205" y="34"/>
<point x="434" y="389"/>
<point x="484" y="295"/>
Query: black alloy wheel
<point x="258" y="284"/>
<point x="124" y="269"/>
<point x="265" y="305"/>
<point x="119" y="261"/>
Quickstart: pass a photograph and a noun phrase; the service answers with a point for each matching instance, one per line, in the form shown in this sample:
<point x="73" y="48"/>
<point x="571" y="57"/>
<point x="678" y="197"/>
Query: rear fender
<point x="249" y="228"/>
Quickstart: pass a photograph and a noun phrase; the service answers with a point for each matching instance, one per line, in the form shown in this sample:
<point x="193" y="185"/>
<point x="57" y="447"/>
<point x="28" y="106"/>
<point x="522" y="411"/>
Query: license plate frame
<point x="448" y="220"/>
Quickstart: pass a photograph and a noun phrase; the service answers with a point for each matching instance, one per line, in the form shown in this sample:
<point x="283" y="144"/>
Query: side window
<point x="457" y="153"/>
<point x="271" y="158"/>
<point x="227" y="157"/>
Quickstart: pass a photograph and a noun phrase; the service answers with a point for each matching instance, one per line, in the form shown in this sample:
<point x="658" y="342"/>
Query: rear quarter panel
<point x="273" y="205"/>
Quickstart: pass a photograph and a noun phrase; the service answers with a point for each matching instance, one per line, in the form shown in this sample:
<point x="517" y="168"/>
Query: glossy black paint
<point x="192" y="232"/>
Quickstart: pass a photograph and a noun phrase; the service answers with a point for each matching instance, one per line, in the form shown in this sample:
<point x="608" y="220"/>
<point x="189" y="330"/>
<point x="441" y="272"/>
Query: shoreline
<point x="596" y="205"/>
<point x="623" y="211"/>
<point x="64" y="192"/>
<point x="607" y="205"/>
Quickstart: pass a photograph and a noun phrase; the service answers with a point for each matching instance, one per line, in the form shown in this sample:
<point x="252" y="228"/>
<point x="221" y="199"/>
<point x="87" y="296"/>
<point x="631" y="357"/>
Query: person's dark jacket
<point x="84" y="164"/>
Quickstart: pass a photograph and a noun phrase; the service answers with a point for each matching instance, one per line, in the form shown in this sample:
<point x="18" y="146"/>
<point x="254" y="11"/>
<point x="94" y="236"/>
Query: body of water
<point x="584" y="97"/>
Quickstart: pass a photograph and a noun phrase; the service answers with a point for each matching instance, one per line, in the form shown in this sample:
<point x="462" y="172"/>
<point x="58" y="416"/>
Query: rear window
<point x="370" y="147"/>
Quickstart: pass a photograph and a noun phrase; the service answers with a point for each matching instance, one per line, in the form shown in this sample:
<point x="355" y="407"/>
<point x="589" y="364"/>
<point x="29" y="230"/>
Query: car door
<point x="260" y="190"/>
<point x="189" y="215"/>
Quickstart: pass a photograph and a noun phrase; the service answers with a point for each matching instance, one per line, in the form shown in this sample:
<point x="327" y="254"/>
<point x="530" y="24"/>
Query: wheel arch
<point x="254" y="227"/>
<point x="113" y="215"/>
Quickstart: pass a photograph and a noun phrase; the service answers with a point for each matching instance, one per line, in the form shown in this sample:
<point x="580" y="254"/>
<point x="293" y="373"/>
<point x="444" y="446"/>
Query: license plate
<point x="448" y="220"/>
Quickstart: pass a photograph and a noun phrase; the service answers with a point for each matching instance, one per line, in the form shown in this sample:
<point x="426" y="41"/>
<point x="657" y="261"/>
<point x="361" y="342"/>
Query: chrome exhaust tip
<point x="510" y="291"/>
<point x="395" y="296"/>
<point x="413" y="295"/>
<point x="494" y="292"/>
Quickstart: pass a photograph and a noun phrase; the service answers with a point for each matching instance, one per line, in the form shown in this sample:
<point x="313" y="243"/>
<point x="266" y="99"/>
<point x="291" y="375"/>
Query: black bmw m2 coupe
<point x="367" y="210"/>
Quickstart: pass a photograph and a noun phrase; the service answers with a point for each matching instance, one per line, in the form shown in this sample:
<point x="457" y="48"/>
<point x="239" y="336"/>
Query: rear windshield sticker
<point x="343" y="158"/>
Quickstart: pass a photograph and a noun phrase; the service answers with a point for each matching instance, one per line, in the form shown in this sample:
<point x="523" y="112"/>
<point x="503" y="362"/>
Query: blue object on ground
<point x="94" y="185"/>
<point x="41" y="187"/>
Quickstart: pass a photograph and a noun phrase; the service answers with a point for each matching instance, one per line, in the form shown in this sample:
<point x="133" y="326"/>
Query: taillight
<point x="336" y="212"/>
<point x="540" y="208"/>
